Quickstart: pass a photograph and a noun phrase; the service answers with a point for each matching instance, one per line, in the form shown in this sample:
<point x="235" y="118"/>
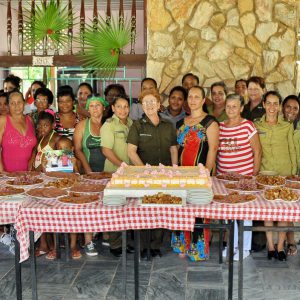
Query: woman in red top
<point x="17" y="137"/>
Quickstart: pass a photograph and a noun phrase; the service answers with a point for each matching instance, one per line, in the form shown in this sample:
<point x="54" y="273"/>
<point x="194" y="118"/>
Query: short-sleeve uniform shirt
<point x="113" y="136"/>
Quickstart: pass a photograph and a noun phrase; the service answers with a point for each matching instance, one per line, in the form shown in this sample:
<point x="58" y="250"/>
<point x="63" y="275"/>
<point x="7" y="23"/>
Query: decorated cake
<point x="160" y="177"/>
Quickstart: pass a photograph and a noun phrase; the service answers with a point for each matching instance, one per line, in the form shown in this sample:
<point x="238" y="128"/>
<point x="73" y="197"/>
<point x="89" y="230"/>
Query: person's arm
<point x="111" y="156"/>
<point x="108" y="141"/>
<point x="292" y="150"/>
<point x="257" y="151"/>
<point x="212" y="133"/>
<point x="31" y="160"/>
<point x="77" y="140"/>
<point x="133" y="156"/>
<point x="2" y="128"/>
<point x="174" y="155"/>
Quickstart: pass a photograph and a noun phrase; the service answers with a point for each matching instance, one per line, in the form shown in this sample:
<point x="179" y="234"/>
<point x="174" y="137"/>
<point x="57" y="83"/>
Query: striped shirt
<point x="235" y="153"/>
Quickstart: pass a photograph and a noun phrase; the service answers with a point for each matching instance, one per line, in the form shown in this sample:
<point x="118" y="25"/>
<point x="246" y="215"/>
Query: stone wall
<point x="223" y="40"/>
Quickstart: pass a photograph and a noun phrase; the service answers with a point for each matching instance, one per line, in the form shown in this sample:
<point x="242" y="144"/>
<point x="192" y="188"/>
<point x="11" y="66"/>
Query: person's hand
<point x="162" y="108"/>
<point x="28" y="93"/>
<point x="44" y="162"/>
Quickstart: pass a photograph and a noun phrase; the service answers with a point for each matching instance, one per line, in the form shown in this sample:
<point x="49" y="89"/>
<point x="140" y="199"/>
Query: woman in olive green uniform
<point x="114" y="134"/>
<point x="152" y="140"/>
<point x="278" y="154"/>
<point x="87" y="141"/>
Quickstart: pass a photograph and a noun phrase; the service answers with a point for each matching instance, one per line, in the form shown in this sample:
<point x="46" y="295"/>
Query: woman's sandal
<point x="40" y="252"/>
<point x="51" y="255"/>
<point x="292" y="249"/>
<point x="76" y="254"/>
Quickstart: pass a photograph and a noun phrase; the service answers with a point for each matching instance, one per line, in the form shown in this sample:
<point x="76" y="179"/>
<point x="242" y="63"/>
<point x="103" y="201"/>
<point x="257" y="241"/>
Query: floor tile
<point x="115" y="292"/>
<point x="193" y="293"/>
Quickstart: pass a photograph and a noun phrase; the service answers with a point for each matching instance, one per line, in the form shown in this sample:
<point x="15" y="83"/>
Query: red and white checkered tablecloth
<point x="95" y="217"/>
<point x="8" y="211"/>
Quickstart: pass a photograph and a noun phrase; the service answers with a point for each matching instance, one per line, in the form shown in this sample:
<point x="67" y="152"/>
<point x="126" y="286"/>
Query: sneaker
<point x="5" y="239"/>
<point x="236" y="256"/>
<point x="90" y="249"/>
<point x="12" y="248"/>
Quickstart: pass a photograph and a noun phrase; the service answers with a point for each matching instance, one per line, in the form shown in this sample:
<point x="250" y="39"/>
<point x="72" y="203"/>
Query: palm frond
<point x="50" y="21"/>
<point x="103" y="44"/>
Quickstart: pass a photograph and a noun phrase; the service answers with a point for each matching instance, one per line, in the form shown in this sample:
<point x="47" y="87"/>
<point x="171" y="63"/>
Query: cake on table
<point x="160" y="177"/>
<point x="137" y="181"/>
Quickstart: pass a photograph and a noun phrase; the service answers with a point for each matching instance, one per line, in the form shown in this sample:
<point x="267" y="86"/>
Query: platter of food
<point x="232" y="176"/>
<point x="78" y="199"/>
<point x="23" y="173"/>
<point x="245" y="186"/>
<point x="95" y="176"/>
<point x="6" y="191"/>
<point x="161" y="199"/>
<point x="271" y="181"/>
<point x="294" y="178"/>
<point x="60" y="175"/>
<point x="281" y="194"/>
<point x="46" y="193"/>
<point x="87" y="187"/>
<point x="294" y="185"/>
<point x="234" y="198"/>
<point x="25" y="180"/>
<point x="63" y="183"/>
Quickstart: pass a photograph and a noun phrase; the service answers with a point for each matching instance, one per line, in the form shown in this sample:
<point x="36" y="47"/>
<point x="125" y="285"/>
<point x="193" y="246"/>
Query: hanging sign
<point x="42" y="61"/>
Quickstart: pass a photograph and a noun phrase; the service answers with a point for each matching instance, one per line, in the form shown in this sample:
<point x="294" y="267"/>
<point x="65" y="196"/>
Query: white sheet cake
<point x="160" y="177"/>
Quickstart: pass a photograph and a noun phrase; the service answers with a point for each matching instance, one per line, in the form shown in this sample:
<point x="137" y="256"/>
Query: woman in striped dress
<point x="239" y="150"/>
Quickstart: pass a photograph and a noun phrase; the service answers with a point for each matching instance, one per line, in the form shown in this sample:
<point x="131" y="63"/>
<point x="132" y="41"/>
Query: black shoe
<point x="155" y="252"/>
<point x="281" y="256"/>
<point x="272" y="254"/>
<point x="116" y="252"/>
<point x="144" y="254"/>
<point x="129" y="249"/>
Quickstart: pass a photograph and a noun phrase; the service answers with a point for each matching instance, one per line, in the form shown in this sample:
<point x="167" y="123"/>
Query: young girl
<point x="66" y="144"/>
<point x="48" y="137"/>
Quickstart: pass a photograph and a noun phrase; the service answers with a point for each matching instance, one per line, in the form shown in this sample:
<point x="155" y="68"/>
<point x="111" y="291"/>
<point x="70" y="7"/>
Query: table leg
<point x="33" y="267"/>
<point x="221" y="235"/>
<point x="57" y="242"/>
<point x="124" y="262"/>
<point x="67" y="245"/>
<point x="240" y="269"/>
<point x="18" y="269"/>
<point x="148" y="232"/>
<point x="136" y="263"/>
<point x="230" y="263"/>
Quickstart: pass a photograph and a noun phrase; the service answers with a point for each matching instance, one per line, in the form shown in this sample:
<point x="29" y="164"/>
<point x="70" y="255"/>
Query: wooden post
<point x="82" y="25"/>
<point x="95" y="15"/>
<point x="108" y="12"/>
<point x="70" y="27"/>
<point x="20" y="27"/>
<point x="9" y="27"/>
<point x="121" y="17"/>
<point x="133" y="27"/>
<point x="32" y="13"/>
<point x="121" y="13"/>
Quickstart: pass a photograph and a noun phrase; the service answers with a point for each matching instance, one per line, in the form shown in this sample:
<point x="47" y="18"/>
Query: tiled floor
<point x="168" y="277"/>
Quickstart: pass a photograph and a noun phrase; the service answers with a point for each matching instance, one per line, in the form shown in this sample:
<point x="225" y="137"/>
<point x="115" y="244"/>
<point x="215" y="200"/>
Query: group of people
<point x="247" y="131"/>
